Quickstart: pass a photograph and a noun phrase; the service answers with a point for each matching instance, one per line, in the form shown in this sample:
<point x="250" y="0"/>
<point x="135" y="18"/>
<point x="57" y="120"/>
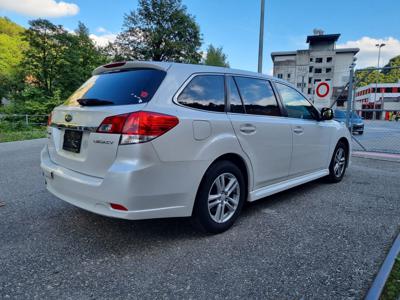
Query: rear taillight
<point x="49" y="119"/>
<point x="113" y="124"/>
<point x="138" y="127"/>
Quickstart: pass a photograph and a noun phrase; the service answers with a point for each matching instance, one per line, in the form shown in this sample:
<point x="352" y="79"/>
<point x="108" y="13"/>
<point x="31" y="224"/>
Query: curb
<point x="377" y="155"/>
<point x="380" y="280"/>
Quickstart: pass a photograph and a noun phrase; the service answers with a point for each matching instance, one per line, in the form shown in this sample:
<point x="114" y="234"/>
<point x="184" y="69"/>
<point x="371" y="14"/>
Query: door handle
<point x="247" y="128"/>
<point x="298" y="130"/>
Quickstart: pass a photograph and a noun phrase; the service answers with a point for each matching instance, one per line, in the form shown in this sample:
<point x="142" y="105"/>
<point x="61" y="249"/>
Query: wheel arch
<point x="240" y="163"/>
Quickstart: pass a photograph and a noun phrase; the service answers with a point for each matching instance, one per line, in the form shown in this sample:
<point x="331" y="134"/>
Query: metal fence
<point x="21" y="120"/>
<point x="378" y="136"/>
<point x="378" y="106"/>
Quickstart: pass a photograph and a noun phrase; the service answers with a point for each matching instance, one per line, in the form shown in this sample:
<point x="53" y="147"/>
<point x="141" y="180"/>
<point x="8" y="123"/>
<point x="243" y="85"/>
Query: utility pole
<point x="350" y="98"/>
<point x="376" y="83"/>
<point x="261" y="38"/>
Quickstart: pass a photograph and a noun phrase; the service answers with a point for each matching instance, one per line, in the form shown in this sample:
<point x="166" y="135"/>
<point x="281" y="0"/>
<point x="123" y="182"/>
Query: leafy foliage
<point x="160" y="30"/>
<point x="55" y="64"/>
<point x="11" y="54"/>
<point x="392" y="75"/>
<point x="216" y="57"/>
<point x="387" y="75"/>
<point x="42" y="65"/>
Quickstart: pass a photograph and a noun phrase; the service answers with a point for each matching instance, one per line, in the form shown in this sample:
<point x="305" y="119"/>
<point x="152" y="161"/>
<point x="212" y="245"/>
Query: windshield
<point x="119" y="88"/>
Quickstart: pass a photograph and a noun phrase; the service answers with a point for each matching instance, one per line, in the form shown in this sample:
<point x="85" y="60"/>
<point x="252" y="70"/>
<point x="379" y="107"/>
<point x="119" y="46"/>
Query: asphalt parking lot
<point x="317" y="241"/>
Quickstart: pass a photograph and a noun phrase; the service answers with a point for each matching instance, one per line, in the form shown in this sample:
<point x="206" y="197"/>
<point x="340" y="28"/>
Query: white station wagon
<point x="143" y="140"/>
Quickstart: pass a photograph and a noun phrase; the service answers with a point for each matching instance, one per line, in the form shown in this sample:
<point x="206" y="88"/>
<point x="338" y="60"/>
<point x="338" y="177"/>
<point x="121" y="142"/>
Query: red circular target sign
<point x="322" y="89"/>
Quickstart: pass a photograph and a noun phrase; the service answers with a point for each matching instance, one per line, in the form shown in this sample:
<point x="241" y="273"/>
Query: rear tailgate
<point x="74" y="142"/>
<point x="97" y="151"/>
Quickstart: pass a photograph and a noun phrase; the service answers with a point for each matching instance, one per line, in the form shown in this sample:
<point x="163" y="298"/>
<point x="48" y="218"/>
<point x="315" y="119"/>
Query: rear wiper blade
<point x="94" y="102"/>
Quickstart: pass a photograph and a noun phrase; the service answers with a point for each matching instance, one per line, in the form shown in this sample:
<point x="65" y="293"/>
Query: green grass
<point x="19" y="133"/>
<point x="392" y="287"/>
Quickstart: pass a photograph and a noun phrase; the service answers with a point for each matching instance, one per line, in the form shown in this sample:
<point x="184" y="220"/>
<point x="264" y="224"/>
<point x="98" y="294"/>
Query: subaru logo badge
<point x="68" y="118"/>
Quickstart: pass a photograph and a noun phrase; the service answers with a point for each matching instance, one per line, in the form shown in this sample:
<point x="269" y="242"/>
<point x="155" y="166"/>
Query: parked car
<point x="143" y="140"/>
<point x="356" y="121"/>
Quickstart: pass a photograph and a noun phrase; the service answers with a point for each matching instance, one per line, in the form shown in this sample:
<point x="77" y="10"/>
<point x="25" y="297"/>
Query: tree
<point x="43" y="62"/>
<point x="388" y="75"/>
<point x="160" y="30"/>
<point x="57" y="63"/>
<point x="79" y="58"/>
<point x="215" y="57"/>
<point x="392" y="75"/>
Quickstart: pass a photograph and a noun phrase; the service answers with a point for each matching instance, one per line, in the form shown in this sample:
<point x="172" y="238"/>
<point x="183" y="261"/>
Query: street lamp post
<point x="261" y="38"/>
<point x="376" y="83"/>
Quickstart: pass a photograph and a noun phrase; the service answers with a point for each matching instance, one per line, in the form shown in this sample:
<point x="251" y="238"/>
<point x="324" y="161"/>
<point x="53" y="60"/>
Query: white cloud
<point x="103" y="40"/>
<point x="40" y="8"/>
<point x="368" y="55"/>
<point x="101" y="30"/>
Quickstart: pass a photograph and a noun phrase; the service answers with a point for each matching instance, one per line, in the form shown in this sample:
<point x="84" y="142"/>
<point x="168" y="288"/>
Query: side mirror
<point x="326" y="113"/>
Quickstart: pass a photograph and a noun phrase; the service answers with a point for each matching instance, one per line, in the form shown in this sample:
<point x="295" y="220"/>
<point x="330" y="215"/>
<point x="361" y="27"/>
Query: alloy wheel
<point x="223" y="197"/>
<point x="339" y="162"/>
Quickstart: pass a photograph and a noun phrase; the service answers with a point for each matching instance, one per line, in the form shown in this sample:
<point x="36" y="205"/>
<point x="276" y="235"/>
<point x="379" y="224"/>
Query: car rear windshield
<point x="119" y="88"/>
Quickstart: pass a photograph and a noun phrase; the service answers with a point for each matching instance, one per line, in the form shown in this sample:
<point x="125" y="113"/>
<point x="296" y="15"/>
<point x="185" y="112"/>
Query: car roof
<point x="177" y="67"/>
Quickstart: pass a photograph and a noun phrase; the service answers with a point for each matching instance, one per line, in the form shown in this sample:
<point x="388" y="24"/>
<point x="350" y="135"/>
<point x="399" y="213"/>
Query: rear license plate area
<point x="72" y="140"/>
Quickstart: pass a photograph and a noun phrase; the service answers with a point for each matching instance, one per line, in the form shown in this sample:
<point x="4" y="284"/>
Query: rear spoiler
<point x="162" y="66"/>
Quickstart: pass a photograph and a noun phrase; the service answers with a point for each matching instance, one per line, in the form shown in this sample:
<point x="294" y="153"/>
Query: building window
<point x="318" y="70"/>
<point x="310" y="69"/>
<point x="318" y="60"/>
<point x="280" y="76"/>
<point x="301" y="85"/>
<point x="388" y="90"/>
<point x="288" y="76"/>
<point x="328" y="70"/>
<point x="311" y="59"/>
<point x="329" y="59"/>
<point x="317" y="80"/>
<point x="309" y="79"/>
<point x="328" y="79"/>
<point x="309" y="91"/>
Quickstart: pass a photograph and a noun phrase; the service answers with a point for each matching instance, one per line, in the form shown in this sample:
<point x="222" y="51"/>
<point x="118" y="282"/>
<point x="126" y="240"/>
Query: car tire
<point x="338" y="165"/>
<point x="220" y="198"/>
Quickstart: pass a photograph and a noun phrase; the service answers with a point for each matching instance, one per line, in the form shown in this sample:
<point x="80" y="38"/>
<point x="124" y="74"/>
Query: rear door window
<point x="120" y="88"/>
<point x="206" y="92"/>
<point x="258" y="96"/>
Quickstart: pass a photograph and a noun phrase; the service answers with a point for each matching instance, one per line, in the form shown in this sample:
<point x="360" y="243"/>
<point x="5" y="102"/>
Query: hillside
<point x="11" y="46"/>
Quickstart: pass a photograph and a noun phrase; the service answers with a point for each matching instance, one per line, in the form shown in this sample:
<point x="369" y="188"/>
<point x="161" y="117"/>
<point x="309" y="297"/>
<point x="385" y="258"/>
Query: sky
<point x="234" y="24"/>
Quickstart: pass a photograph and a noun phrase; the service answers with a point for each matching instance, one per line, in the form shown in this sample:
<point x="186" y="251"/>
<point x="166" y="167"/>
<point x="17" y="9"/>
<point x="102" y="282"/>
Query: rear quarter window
<point x="121" y="88"/>
<point x="206" y="92"/>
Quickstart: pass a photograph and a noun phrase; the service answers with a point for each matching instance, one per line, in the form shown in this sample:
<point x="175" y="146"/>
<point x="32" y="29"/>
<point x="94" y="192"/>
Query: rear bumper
<point x="155" y="190"/>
